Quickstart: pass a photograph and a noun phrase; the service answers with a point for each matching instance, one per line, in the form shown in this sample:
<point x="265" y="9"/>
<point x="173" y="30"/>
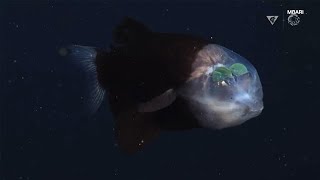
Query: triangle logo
<point x="272" y="19"/>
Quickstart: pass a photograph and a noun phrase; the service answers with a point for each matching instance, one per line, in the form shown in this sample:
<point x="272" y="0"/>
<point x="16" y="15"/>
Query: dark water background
<point x="45" y="135"/>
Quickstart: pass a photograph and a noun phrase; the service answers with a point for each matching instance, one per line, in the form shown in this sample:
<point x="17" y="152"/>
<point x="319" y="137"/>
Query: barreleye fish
<point x="164" y="81"/>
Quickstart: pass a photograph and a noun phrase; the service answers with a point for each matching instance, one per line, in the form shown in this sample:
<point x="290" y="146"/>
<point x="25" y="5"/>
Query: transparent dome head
<point x="224" y="89"/>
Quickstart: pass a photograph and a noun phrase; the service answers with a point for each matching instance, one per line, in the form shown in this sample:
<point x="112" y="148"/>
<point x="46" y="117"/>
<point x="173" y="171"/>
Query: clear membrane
<point x="224" y="89"/>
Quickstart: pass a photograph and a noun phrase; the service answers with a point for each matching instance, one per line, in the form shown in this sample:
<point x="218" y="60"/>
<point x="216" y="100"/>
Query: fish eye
<point x="238" y="69"/>
<point x="220" y="74"/>
<point x="227" y="75"/>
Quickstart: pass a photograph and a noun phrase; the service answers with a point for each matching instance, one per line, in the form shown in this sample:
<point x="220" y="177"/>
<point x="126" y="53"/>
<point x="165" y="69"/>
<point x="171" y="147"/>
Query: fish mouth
<point x="253" y="110"/>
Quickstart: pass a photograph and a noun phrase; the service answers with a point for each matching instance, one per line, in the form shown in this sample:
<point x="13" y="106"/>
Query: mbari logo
<point x="295" y="11"/>
<point x="294" y="19"/>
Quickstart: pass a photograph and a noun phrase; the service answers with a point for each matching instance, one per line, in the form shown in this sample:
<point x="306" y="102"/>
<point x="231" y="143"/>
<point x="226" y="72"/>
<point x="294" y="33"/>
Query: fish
<point x="159" y="81"/>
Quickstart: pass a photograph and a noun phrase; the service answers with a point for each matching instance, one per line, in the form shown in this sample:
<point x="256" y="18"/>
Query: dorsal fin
<point x="129" y="30"/>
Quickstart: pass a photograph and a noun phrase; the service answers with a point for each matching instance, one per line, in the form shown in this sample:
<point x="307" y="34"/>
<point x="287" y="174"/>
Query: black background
<point x="45" y="136"/>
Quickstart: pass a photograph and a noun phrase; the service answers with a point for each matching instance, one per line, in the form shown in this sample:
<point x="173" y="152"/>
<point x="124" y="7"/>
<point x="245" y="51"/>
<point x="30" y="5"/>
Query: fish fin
<point x="85" y="58"/>
<point x="159" y="102"/>
<point x="134" y="130"/>
<point x="129" y="30"/>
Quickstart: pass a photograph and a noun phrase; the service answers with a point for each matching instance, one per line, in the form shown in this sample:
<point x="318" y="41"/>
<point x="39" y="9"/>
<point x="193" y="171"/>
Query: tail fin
<point x="85" y="58"/>
<point x="129" y="30"/>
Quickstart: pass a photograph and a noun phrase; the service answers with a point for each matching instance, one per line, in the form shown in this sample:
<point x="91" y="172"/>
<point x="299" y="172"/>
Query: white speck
<point x="219" y="65"/>
<point x="165" y="12"/>
<point x="211" y="37"/>
<point x="14" y="61"/>
<point x="116" y="171"/>
<point x="141" y="142"/>
<point x="223" y="83"/>
<point x="209" y="71"/>
<point x="22" y="77"/>
<point x="17" y="26"/>
<point x="188" y="28"/>
<point x="284" y="156"/>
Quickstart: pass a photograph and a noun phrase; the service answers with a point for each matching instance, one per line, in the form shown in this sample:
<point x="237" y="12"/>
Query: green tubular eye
<point x="238" y="69"/>
<point x="221" y="73"/>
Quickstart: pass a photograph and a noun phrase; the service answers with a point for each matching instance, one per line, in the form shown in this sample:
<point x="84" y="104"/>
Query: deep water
<point x="45" y="134"/>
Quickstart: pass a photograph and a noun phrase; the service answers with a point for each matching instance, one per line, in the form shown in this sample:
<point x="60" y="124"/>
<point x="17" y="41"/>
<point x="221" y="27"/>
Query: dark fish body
<point x="149" y="65"/>
<point x="159" y="81"/>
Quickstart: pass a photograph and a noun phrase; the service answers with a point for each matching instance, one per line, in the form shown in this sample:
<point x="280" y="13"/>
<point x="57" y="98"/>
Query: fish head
<point x="224" y="89"/>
